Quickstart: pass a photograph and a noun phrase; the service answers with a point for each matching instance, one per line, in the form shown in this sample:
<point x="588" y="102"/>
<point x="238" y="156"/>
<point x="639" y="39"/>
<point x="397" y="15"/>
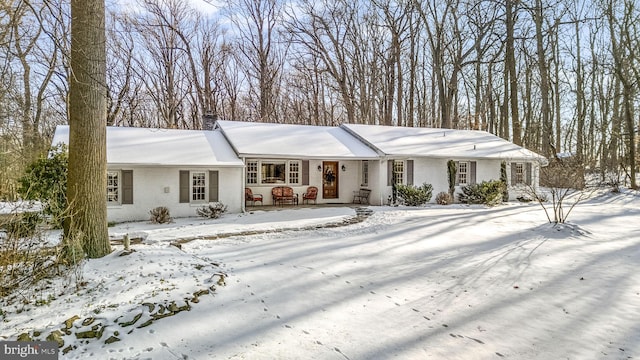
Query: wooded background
<point x="556" y="76"/>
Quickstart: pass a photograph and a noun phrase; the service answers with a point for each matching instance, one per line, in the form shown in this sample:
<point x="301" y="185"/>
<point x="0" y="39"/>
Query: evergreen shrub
<point x="414" y="195"/>
<point x="487" y="192"/>
<point x="45" y="180"/>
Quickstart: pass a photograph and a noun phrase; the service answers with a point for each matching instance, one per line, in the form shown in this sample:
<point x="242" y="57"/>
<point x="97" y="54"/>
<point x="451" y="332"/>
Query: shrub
<point x="45" y="180"/>
<point x="524" y="199"/>
<point x="160" y="215"/>
<point x="212" y="211"/>
<point x="452" y="171"/>
<point x="23" y="225"/>
<point x="443" y="198"/>
<point x="503" y="178"/>
<point x="486" y="192"/>
<point x="413" y="195"/>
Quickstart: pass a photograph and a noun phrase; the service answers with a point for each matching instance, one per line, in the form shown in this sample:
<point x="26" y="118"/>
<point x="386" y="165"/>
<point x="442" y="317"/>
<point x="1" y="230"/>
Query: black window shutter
<point x="127" y="186"/>
<point x="528" y="173"/>
<point x="389" y="172"/>
<point x="305" y="172"/>
<point x="457" y="173"/>
<point x="213" y="186"/>
<point x="409" y="172"/>
<point x="513" y="174"/>
<point x="472" y="178"/>
<point x="184" y="186"/>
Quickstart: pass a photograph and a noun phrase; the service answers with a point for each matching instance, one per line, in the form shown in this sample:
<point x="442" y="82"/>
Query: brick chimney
<point x="209" y="120"/>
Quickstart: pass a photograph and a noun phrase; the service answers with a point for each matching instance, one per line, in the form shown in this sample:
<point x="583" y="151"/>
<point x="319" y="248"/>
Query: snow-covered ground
<point x="439" y="282"/>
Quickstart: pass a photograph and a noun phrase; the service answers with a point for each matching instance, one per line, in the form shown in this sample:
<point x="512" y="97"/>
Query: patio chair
<point x="311" y="194"/>
<point x="250" y="197"/>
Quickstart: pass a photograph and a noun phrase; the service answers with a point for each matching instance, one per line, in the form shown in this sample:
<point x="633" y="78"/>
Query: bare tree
<point x="258" y="23"/>
<point x="323" y="29"/>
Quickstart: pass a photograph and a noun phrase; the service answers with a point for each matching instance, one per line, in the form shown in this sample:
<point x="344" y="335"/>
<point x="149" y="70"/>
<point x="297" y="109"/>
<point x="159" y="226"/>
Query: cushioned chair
<point x="311" y="194"/>
<point x="250" y="197"/>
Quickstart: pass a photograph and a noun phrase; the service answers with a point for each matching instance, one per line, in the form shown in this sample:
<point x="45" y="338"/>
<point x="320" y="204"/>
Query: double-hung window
<point x="398" y="172"/>
<point x="521" y="173"/>
<point x="119" y="187"/>
<point x="113" y="187"/>
<point x="519" y="169"/>
<point x="252" y="172"/>
<point x="463" y="173"/>
<point x="365" y="173"/>
<point x="466" y="173"/>
<point x="198" y="186"/>
<point x="294" y="172"/>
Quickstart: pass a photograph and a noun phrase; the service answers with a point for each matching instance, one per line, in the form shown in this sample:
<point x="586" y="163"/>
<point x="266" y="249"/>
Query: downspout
<point x="382" y="181"/>
<point x="242" y="185"/>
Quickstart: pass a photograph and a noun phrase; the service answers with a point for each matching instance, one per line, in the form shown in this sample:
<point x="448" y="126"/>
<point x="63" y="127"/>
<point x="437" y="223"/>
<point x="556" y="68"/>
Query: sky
<point x="454" y="282"/>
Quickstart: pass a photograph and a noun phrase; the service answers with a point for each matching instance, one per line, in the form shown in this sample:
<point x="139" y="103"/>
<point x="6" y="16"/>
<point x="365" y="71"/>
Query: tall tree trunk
<point x="510" y="64"/>
<point x="87" y="178"/>
<point x="548" y="148"/>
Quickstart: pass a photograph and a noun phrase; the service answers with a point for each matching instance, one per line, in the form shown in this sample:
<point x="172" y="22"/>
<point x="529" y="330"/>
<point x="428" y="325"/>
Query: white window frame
<point x="114" y="190"/>
<point x="364" y="175"/>
<point x="398" y="172"/>
<point x="294" y="172"/>
<point x="520" y="173"/>
<point x="463" y="176"/>
<point x="204" y="192"/>
<point x="255" y="175"/>
<point x="252" y="172"/>
<point x="263" y="180"/>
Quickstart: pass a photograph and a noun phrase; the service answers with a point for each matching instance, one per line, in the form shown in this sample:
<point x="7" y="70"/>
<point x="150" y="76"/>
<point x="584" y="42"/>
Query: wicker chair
<point x="250" y="197"/>
<point x="311" y="194"/>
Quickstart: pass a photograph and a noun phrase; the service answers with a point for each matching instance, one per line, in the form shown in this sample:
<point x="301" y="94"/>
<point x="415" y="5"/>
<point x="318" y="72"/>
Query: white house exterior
<point x="420" y="155"/>
<point x="299" y="156"/>
<point x="180" y="169"/>
<point x="186" y="169"/>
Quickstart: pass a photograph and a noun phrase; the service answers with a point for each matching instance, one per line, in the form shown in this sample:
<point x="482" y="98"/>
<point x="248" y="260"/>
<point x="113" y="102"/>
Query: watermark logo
<point x="28" y="350"/>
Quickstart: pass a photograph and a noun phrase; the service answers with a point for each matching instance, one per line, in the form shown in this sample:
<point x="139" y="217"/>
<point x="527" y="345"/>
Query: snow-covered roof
<point x="162" y="147"/>
<point x="269" y="140"/>
<point x="440" y="143"/>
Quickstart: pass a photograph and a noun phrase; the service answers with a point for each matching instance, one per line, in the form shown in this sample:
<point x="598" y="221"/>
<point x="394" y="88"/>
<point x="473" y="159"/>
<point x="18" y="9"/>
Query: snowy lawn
<point x="441" y="282"/>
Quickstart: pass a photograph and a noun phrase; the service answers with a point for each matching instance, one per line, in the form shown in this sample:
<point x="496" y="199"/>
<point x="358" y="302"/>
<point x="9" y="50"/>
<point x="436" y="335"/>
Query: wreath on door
<point x="329" y="176"/>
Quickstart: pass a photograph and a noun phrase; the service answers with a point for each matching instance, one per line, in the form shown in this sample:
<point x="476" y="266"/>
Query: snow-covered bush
<point x="486" y="192"/>
<point x="160" y="215"/>
<point x="414" y="195"/>
<point x="212" y="211"/>
<point x="443" y="198"/>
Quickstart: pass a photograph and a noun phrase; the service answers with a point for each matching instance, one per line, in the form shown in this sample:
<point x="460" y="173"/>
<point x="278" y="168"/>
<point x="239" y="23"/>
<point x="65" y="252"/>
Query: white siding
<point x="159" y="186"/>
<point x="434" y="172"/>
